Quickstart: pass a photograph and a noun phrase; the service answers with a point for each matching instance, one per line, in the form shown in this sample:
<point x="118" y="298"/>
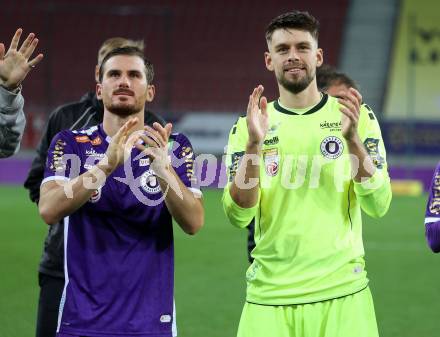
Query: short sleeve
<point x="184" y="163"/>
<point x="62" y="162"/>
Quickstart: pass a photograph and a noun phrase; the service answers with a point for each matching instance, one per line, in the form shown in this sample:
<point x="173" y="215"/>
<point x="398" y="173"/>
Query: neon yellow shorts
<point x="349" y="316"/>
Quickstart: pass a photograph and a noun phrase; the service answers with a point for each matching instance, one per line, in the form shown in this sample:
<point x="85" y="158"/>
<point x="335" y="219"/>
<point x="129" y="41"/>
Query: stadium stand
<point x="208" y="55"/>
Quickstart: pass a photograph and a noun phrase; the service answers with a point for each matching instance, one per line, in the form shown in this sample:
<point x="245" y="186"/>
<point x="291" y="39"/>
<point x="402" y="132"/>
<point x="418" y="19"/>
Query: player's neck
<point x="304" y="99"/>
<point x="112" y="123"/>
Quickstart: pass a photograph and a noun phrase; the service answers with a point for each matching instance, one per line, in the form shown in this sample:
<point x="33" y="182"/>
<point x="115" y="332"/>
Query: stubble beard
<point x="296" y="86"/>
<point x="124" y="110"/>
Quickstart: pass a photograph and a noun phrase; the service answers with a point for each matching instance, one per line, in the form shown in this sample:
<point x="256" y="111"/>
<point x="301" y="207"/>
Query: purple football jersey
<point x="432" y="215"/>
<point x="119" y="256"/>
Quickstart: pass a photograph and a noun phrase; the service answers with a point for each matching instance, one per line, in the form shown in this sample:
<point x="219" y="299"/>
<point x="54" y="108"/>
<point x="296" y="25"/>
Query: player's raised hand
<point x="15" y="64"/>
<point x="155" y="146"/>
<point x="119" y="148"/>
<point x="350" y="101"/>
<point x="257" y="118"/>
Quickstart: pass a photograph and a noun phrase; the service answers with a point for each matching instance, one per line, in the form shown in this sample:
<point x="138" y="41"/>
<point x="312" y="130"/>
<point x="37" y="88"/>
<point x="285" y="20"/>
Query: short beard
<point x="123" y="111"/>
<point x="296" y="87"/>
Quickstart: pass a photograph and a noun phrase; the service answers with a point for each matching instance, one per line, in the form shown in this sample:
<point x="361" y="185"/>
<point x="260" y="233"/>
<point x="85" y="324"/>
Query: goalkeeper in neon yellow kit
<point x="304" y="166"/>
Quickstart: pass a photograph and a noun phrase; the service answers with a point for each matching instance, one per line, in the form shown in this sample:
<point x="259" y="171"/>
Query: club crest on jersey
<point x="332" y="147"/>
<point x="149" y="182"/>
<point x="271" y="162"/>
<point x="94" y="198"/>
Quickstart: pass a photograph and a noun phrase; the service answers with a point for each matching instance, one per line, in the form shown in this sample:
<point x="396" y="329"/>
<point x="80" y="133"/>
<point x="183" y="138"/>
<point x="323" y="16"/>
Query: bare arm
<point x="59" y="199"/>
<point x="184" y="207"/>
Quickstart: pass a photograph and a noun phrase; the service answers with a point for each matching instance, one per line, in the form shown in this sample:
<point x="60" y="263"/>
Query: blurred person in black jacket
<point x="77" y="115"/>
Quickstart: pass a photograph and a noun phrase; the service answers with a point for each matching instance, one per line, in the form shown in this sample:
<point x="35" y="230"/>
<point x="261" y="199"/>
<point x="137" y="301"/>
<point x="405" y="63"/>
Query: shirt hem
<point x="325" y="299"/>
<point x="89" y="333"/>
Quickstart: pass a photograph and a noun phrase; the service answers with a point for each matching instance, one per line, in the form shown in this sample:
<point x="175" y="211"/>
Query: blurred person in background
<point x="332" y="81"/>
<point x="308" y="276"/>
<point x="73" y="116"/>
<point x="432" y="215"/>
<point x="14" y="67"/>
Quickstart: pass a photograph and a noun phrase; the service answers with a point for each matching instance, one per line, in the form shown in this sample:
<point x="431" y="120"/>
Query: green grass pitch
<point x="210" y="267"/>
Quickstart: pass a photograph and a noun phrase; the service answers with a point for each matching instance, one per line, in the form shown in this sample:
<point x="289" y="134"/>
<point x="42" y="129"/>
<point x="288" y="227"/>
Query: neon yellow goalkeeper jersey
<point x="308" y="225"/>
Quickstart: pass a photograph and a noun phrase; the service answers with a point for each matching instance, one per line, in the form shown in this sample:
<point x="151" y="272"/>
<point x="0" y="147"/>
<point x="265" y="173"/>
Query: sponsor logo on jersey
<point x="94" y="198"/>
<point x="97" y="141"/>
<point x="333" y="126"/>
<point x="82" y="139"/>
<point x="272" y="141"/>
<point x="144" y="162"/>
<point x="332" y="147"/>
<point x="165" y="318"/>
<point x="86" y="139"/>
<point x="271" y="162"/>
<point x="93" y="153"/>
<point x="372" y="147"/>
<point x="149" y="182"/>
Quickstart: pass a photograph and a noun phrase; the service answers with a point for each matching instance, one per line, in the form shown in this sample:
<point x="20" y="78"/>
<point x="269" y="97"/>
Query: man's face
<point x="124" y="88"/>
<point x="293" y="56"/>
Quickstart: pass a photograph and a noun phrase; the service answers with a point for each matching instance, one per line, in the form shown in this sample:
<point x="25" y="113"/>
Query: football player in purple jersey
<point x="432" y="215"/>
<point x="117" y="186"/>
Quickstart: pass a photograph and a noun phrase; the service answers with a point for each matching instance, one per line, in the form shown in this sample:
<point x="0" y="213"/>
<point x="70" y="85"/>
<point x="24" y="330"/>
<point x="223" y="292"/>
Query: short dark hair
<point x="294" y="20"/>
<point x="130" y="51"/>
<point x="327" y="75"/>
